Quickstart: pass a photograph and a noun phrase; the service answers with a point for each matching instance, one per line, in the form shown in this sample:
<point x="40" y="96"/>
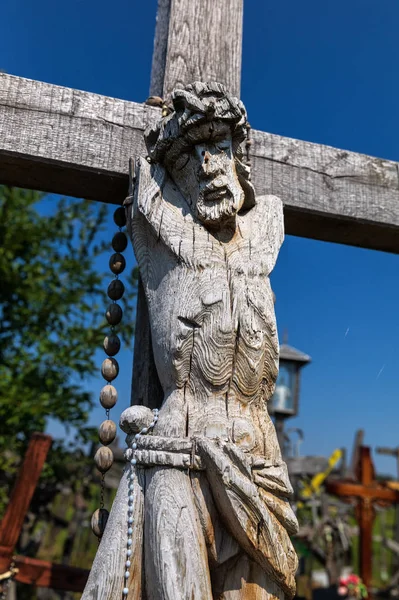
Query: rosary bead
<point x="130" y="531"/>
<point x="133" y="419"/>
<point x="114" y="314"/>
<point x="134" y="446"/>
<point x="144" y="430"/>
<point x="120" y="217"/>
<point x="110" y="369"/>
<point x="108" y="396"/>
<point x="133" y="461"/>
<point x="130" y="520"/>
<point x="112" y="344"/>
<point x="99" y="521"/>
<point x="107" y="432"/>
<point x="128" y="563"/>
<point x="129" y="542"/>
<point x="127" y="575"/>
<point x="131" y="498"/>
<point x="125" y="591"/>
<point x="103" y="459"/>
<point x="131" y="488"/>
<point x="119" y="241"/>
<point x="137" y="436"/>
<point x="117" y="263"/>
<point x="116" y="289"/>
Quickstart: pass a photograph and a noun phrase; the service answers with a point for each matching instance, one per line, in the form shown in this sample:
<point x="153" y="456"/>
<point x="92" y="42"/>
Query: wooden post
<point x="194" y="41"/>
<point x="197" y="41"/>
<point x="368" y="492"/>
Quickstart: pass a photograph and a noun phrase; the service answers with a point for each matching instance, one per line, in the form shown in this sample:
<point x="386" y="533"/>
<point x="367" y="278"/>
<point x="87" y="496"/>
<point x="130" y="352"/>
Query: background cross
<point x="368" y="492"/>
<point x="32" y="570"/>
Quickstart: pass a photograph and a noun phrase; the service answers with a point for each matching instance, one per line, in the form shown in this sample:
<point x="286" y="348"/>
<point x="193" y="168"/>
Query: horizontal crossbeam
<point x="76" y="143"/>
<point x="42" y="573"/>
<point x="359" y="491"/>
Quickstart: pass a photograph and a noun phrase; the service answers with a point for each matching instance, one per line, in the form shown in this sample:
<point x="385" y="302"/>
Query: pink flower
<point x="353" y="579"/>
<point x="342" y="590"/>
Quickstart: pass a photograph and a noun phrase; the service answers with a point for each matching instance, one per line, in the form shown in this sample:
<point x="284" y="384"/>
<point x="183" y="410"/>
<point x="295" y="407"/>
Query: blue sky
<point x="325" y="72"/>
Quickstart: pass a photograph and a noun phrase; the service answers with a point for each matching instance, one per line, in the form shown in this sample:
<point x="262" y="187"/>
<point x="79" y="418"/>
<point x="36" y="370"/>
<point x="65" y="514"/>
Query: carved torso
<point x="211" y="311"/>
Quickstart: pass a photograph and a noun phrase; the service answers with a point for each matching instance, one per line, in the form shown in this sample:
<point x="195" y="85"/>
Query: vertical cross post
<point x="194" y="41"/>
<point x="197" y="41"/>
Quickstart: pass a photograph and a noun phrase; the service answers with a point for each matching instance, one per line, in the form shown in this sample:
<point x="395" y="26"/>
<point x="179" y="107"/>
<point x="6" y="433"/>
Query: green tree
<point x="52" y="301"/>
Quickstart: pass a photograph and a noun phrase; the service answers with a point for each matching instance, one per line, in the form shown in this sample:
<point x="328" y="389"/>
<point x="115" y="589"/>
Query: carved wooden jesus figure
<point x="214" y="523"/>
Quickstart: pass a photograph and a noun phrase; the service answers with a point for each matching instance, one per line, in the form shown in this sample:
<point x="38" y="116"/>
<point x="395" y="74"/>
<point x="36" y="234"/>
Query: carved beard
<point x="216" y="207"/>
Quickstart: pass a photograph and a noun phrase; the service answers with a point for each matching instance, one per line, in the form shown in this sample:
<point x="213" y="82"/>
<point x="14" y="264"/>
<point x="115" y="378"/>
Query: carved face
<point x="202" y="166"/>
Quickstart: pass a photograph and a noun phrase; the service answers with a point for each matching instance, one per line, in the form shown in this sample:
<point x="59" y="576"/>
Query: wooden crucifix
<point x="71" y="142"/>
<point x="368" y="492"/>
<point x="394" y="452"/>
<point x="208" y="503"/>
<point x="25" y="569"/>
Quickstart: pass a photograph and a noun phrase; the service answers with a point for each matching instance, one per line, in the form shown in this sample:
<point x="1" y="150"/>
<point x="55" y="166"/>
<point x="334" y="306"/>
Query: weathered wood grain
<point x="330" y="194"/>
<point x="176" y="568"/>
<point x="66" y="141"/>
<point x="197" y="40"/>
<point x="205" y="248"/>
<point x="70" y="142"/>
<point x="106" y="576"/>
<point x="160" y="48"/>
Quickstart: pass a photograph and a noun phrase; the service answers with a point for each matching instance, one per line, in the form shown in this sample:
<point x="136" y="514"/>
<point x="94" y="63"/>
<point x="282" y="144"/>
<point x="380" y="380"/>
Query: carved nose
<point x="212" y="165"/>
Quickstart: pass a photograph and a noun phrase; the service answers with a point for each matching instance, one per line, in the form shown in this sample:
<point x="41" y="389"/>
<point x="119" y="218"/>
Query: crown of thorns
<point x="194" y="105"/>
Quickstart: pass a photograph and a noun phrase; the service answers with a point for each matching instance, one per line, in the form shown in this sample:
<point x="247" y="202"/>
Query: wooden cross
<point x="395" y="453"/>
<point x="368" y="492"/>
<point x="77" y="143"/>
<point x="32" y="570"/>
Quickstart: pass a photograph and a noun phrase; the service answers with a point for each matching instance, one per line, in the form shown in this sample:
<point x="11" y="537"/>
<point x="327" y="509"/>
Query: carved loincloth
<point x="251" y="494"/>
